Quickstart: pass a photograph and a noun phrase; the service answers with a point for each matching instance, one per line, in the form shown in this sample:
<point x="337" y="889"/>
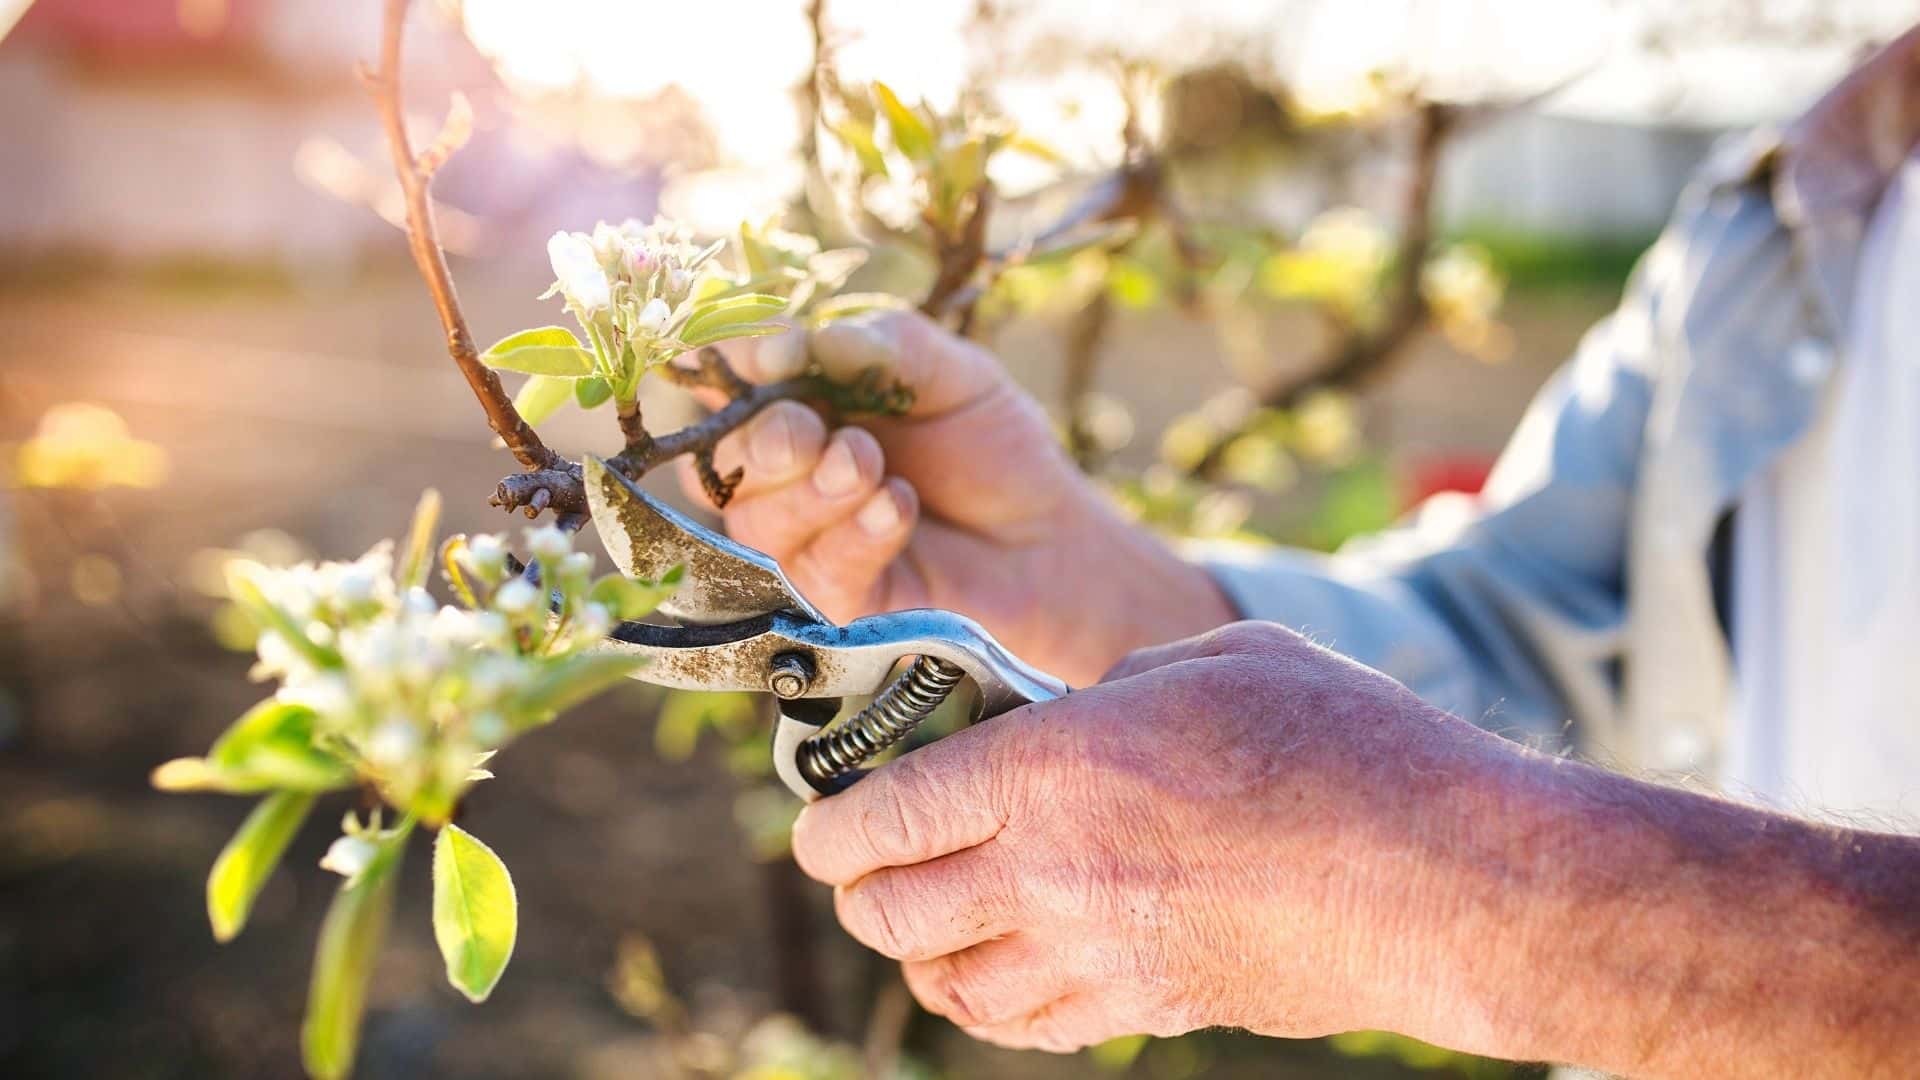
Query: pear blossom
<point x="652" y="319"/>
<point x="516" y="597"/>
<point x="549" y="543"/>
<point x="349" y="856"/>
<point x="577" y="268"/>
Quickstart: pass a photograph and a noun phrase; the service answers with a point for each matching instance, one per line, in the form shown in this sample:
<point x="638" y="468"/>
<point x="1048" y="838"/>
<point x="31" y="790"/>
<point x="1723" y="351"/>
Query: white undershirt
<point x="1826" y="590"/>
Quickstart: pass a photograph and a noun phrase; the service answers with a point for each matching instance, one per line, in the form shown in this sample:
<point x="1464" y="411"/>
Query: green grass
<point x="1545" y="262"/>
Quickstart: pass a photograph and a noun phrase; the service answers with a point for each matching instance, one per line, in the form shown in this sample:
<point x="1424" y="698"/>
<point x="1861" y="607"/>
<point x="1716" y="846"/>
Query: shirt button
<point x="1809" y="360"/>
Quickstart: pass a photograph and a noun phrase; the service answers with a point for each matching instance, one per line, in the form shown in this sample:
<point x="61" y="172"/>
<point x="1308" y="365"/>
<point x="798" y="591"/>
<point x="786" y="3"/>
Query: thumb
<point x="945" y="372"/>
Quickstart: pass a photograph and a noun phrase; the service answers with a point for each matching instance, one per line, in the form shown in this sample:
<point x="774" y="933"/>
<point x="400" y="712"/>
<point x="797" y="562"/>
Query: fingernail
<point x="881" y="516"/>
<point x="838" y="474"/>
<point x="771" y="445"/>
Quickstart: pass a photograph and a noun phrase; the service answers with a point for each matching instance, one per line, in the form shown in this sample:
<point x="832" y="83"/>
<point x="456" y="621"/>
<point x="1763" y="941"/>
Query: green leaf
<point x="720" y="319"/>
<point x="475" y="914"/>
<point x="858" y="138"/>
<point x="273" y="744"/>
<point x="417" y="557"/>
<point x="590" y="393"/>
<point x="849" y="304"/>
<point x="1034" y="148"/>
<point x="910" y="133"/>
<point x="547" y="350"/>
<point x="542" y="395"/>
<point x="350" y="936"/>
<point x="563" y="684"/>
<point x="629" y="598"/>
<point x="249" y="858"/>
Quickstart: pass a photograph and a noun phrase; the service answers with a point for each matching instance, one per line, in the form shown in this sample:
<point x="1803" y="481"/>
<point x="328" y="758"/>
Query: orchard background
<point x="211" y="343"/>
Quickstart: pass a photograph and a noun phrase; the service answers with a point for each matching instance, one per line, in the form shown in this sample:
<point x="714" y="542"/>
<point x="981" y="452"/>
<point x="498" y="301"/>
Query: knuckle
<point x="888" y="824"/>
<point x="1250" y="636"/>
<point x="870" y="912"/>
<point x="962" y="992"/>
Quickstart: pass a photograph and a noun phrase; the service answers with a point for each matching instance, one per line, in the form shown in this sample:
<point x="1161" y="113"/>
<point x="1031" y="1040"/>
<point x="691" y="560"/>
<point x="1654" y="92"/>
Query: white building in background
<point x="1571" y="175"/>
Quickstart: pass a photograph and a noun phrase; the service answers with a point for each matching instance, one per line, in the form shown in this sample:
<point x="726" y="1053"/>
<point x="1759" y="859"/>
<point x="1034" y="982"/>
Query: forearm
<point x="1599" y="920"/>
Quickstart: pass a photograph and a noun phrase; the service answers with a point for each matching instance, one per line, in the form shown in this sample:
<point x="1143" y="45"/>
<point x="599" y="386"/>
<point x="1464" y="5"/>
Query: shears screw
<point x="790" y="675"/>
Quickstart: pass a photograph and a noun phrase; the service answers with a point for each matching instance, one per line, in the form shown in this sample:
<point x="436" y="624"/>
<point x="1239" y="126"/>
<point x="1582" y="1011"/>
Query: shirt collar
<point x="1828" y="169"/>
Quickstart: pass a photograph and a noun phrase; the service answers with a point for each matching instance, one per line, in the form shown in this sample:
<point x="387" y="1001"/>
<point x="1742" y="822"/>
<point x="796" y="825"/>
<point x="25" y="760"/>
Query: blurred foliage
<point x="1543" y="262"/>
<point x="85" y="446"/>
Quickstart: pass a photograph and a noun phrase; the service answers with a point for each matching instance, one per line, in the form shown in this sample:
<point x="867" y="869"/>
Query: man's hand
<point x="1247" y="830"/>
<point x="966" y="503"/>
<point x="1147" y="855"/>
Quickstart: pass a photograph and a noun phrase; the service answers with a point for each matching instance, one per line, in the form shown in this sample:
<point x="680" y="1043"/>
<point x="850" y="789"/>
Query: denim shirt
<point x="1573" y="602"/>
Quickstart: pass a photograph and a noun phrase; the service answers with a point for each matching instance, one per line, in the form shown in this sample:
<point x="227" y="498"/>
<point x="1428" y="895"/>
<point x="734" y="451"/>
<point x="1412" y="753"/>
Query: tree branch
<point x="1362" y="355"/>
<point x="416" y="178"/>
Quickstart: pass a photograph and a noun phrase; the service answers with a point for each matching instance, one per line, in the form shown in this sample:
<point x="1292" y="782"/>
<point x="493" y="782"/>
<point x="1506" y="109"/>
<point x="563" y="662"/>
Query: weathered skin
<point x="1243" y="829"/>
<point x="1247" y="830"/>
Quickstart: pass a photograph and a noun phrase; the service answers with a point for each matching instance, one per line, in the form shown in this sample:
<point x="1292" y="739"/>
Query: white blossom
<point x="485" y="556"/>
<point x="577" y="268"/>
<point x="349" y="856"/>
<point x="593" y="621"/>
<point x="326" y="693"/>
<point x="393" y="742"/>
<point x="516" y="597"/>
<point x="549" y="542"/>
<point x="653" y="318"/>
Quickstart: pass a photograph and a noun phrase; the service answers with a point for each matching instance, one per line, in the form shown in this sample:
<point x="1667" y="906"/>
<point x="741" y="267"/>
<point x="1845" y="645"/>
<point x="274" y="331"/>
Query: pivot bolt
<point x="790" y="675"/>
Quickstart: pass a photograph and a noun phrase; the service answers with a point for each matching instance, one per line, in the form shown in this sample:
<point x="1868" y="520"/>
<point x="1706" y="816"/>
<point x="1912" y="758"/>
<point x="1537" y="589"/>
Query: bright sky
<point x="738" y="58"/>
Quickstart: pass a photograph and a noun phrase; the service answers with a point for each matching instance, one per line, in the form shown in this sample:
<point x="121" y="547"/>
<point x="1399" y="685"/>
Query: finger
<point x="781" y="520"/>
<point x="938" y="907"/>
<point x="780" y="445"/>
<point x="1231" y="639"/>
<point x="946" y="797"/>
<point x="995" y="982"/>
<point x="843" y="567"/>
<point x="944" y="372"/>
<point x="1062" y="1026"/>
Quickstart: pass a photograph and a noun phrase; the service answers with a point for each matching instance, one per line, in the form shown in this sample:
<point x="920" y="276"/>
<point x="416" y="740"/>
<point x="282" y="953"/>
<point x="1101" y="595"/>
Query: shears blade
<point x="725" y="581"/>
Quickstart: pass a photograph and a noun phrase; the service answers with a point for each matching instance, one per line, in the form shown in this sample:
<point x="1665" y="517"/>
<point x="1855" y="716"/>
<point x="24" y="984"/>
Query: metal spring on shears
<point x="904" y="705"/>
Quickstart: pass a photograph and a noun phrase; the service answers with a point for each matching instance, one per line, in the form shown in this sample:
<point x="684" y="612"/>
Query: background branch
<point x="1363" y="354"/>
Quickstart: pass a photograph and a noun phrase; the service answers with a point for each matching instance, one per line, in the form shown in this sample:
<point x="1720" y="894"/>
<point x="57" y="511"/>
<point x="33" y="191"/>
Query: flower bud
<point x="516" y="597"/>
<point x="653" y="318"/>
<point x="549" y="543"/>
<point x="348" y="856"/>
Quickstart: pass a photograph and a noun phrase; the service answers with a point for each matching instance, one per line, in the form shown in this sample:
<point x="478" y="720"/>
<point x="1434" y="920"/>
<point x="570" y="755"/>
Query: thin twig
<point x="1086" y="333"/>
<point x="567" y="490"/>
<point x="416" y="179"/>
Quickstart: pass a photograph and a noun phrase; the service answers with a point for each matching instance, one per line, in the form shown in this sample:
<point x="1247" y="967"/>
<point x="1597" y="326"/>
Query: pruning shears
<point x="739" y="624"/>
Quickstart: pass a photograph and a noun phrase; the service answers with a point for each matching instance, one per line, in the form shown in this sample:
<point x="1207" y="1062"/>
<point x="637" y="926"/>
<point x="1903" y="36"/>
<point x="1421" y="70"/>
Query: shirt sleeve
<point x="1507" y="608"/>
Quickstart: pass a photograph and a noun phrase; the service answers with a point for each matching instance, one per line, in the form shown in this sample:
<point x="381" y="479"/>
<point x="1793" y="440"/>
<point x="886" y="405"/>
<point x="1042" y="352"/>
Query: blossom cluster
<point x="412" y="696"/>
<point x="636" y="279"/>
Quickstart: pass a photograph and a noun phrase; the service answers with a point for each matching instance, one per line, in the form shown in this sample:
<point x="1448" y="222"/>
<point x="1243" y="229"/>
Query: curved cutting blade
<point x="725" y="581"/>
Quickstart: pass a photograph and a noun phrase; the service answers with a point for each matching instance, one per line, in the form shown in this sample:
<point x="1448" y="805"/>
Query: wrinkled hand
<point x="1226" y="832"/>
<point x="966" y="503"/>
